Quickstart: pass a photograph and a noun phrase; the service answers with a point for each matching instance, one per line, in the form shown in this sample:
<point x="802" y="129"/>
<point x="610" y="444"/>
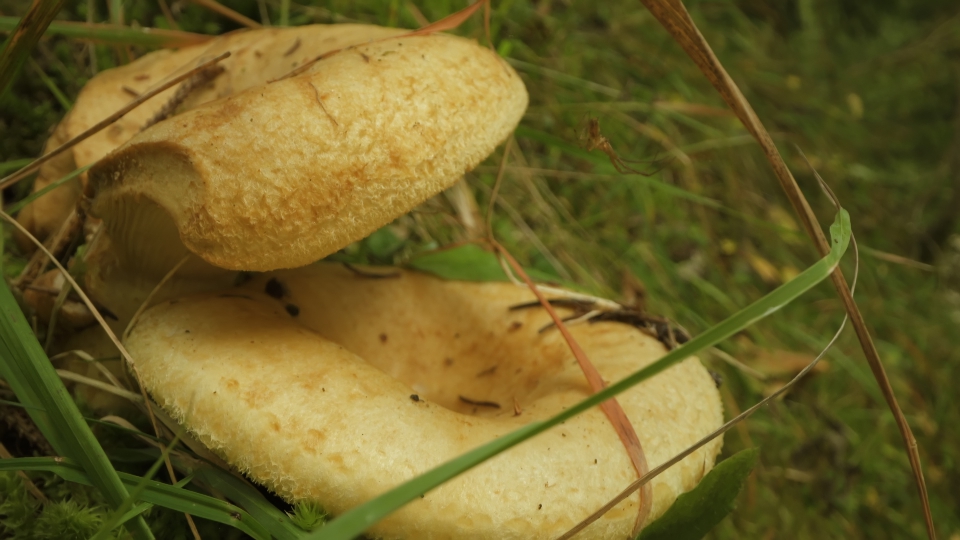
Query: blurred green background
<point x="870" y="92"/>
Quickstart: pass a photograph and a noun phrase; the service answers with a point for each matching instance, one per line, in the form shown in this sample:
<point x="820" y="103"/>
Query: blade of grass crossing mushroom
<point x="674" y="17"/>
<point x="612" y="409"/>
<point x="115" y="34"/>
<point x="740" y="417"/>
<point x="35" y="164"/>
<point x="247" y="497"/>
<point x="158" y="493"/>
<point x="355" y="521"/>
<point x="114" y="519"/>
<point x="25" y="35"/>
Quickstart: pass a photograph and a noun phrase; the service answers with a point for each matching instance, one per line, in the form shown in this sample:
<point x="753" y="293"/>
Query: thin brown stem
<point x="496" y="186"/>
<point x="611" y="408"/>
<point x="674" y="17"/>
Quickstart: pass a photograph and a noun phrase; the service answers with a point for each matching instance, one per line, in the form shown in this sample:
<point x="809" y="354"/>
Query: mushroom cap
<point x="257" y="56"/>
<point x="285" y="173"/>
<point x="305" y="380"/>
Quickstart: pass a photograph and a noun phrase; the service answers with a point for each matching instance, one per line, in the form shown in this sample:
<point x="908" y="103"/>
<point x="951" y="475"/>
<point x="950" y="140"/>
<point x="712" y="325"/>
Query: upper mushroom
<point x="284" y="173"/>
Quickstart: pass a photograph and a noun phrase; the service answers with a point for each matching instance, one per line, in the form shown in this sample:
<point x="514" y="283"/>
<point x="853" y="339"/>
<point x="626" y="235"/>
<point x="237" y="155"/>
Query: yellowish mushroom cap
<point x="282" y="174"/>
<point x="328" y="386"/>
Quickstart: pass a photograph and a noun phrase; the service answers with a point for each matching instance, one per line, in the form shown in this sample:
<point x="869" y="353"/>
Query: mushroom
<point x="283" y="174"/>
<point x="326" y="386"/>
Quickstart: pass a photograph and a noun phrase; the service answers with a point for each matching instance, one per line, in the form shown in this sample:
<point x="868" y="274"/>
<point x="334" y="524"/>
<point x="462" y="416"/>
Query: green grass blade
<point x="115" y="34"/>
<point x="143" y="507"/>
<point x="354" y="522"/>
<point x="284" y="12"/>
<point x="52" y="86"/>
<point x="14" y="164"/>
<point x="247" y="497"/>
<point x="137" y="510"/>
<point x="158" y="493"/>
<point x="25" y="35"/>
<point x="17" y="206"/>
<point x="113" y="520"/>
<point x="603" y="166"/>
<point x="29" y="373"/>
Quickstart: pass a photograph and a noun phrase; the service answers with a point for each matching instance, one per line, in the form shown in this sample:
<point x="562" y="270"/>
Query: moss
<point x="308" y="515"/>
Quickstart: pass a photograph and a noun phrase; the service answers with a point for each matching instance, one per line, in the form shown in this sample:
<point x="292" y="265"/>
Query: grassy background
<point x="870" y="93"/>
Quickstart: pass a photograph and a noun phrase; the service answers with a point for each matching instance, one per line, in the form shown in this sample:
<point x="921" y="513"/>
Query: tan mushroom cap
<point x="282" y="174"/>
<point x="310" y="390"/>
<point x="257" y="56"/>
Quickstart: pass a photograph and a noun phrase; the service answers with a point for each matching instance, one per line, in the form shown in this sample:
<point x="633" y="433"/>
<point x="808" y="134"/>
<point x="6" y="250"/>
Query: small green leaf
<point x="383" y="243"/>
<point x="698" y="511"/>
<point x="468" y="262"/>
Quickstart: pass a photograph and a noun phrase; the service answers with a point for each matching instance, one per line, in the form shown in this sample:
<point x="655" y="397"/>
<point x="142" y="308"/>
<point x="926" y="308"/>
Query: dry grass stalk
<point x="674" y="17"/>
<point x="56" y="244"/>
<point x="611" y="408"/>
<point x="198" y="79"/>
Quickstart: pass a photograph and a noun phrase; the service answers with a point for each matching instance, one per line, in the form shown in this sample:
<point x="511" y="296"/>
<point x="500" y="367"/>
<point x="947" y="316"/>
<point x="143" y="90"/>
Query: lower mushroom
<point x="327" y="386"/>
